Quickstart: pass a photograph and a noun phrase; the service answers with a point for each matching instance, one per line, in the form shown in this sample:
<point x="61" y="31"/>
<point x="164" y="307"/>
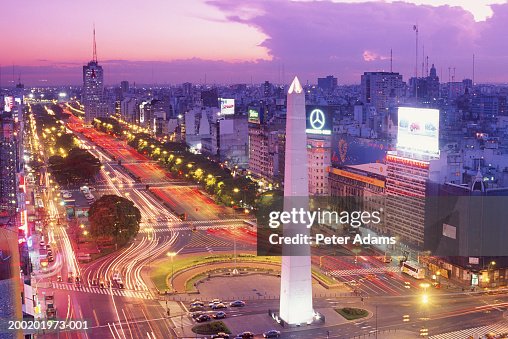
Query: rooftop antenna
<point x="415" y="28"/>
<point x="423" y="60"/>
<point x="94" y="46"/>
<point x="391" y="60"/>
<point x="449" y="74"/>
<point x="453" y="76"/>
<point x="473" y="69"/>
<point x="427" y="65"/>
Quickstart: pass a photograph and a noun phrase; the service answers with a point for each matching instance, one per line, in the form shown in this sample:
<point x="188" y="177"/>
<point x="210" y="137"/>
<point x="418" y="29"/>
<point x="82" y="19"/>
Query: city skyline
<point x="257" y="42"/>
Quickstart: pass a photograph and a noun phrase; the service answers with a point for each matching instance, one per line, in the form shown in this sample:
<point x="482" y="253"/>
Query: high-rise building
<point x="265" y="148"/>
<point x="328" y="83"/>
<point x="377" y="86"/>
<point x="319" y="159"/>
<point x="124" y="86"/>
<point x="8" y="165"/>
<point x="93" y="88"/>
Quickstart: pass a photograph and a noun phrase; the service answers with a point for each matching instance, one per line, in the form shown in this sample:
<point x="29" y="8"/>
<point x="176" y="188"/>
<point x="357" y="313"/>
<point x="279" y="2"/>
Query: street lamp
<point x="171" y="255"/>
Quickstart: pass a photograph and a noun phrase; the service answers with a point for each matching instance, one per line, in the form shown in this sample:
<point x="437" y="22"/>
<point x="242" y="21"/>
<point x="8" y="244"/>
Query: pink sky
<point x="235" y="41"/>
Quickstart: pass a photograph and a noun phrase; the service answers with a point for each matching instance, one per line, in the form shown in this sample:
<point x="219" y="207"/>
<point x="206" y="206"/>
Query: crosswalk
<point x="187" y="228"/>
<point x="476" y="332"/>
<point x="97" y="290"/>
<point x="358" y="271"/>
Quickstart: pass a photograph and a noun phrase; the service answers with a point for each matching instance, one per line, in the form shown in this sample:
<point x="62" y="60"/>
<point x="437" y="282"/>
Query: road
<point x="133" y="311"/>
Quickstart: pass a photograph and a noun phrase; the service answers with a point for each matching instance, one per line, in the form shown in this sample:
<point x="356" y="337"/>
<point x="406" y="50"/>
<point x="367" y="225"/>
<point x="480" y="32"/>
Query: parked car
<point x="203" y="317"/>
<point x="237" y="303"/>
<point x="218" y="306"/>
<point x="102" y="284"/>
<point x="271" y="334"/>
<point x="51" y="258"/>
<point x="246" y="335"/>
<point x="220" y="335"/>
<point x="220" y="315"/>
<point x="59" y="278"/>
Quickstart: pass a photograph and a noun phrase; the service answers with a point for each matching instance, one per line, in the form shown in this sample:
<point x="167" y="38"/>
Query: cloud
<point x="346" y="39"/>
<point x="372" y="56"/>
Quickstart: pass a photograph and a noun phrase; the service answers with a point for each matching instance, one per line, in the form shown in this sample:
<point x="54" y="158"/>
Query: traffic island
<point x="211" y="328"/>
<point x="351" y="313"/>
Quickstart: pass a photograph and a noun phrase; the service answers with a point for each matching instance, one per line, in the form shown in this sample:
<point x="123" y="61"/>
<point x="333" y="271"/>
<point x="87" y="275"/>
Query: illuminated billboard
<point x="8" y="103"/>
<point x="227" y="106"/>
<point x="418" y="130"/>
<point x="254" y="116"/>
<point x="318" y="120"/>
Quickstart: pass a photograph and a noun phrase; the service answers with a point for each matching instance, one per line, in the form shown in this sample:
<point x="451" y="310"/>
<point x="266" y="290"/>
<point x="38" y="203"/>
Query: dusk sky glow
<point x="231" y="41"/>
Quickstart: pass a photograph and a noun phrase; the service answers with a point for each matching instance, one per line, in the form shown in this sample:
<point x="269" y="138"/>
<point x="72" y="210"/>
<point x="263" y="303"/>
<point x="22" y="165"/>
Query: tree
<point x="66" y="141"/>
<point x="114" y="216"/>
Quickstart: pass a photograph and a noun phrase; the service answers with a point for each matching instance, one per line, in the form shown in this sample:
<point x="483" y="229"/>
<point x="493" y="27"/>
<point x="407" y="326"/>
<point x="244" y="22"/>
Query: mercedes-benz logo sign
<point x="317" y="119"/>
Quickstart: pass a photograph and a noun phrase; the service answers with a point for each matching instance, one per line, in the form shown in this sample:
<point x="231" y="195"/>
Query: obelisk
<point x="296" y="279"/>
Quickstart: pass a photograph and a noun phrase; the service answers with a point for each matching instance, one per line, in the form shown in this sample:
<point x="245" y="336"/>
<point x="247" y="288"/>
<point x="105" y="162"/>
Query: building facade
<point x="93" y="91"/>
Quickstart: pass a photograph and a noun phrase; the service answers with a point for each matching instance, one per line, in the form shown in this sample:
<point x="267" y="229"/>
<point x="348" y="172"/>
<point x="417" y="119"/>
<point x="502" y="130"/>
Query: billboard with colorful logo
<point x="227" y="106"/>
<point x="418" y="130"/>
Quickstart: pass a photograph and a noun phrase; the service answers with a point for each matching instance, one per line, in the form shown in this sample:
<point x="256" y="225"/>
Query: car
<point x="214" y="301"/>
<point x="120" y="284"/>
<point x="246" y="335"/>
<point x="67" y="195"/>
<point x="42" y="244"/>
<point x="94" y="282"/>
<point x="271" y="334"/>
<point x="59" y="278"/>
<point x="197" y="304"/>
<point x="51" y="258"/>
<point x="218" y="306"/>
<point x="195" y="315"/>
<point x="196" y="308"/>
<point x="203" y="317"/>
<point x="220" y="315"/>
<point x="237" y="303"/>
<point x="116" y="276"/>
<point x="220" y="335"/>
<point x="102" y="284"/>
<point x="78" y="279"/>
<point x="48" y="247"/>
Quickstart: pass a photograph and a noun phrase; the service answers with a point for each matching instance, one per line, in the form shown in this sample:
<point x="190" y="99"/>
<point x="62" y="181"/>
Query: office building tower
<point x="328" y="83"/>
<point x="8" y="165"/>
<point x="93" y="88"/>
<point x="376" y="88"/>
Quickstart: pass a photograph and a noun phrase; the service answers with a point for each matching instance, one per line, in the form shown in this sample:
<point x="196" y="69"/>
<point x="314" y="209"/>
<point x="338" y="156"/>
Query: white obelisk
<point x="296" y="278"/>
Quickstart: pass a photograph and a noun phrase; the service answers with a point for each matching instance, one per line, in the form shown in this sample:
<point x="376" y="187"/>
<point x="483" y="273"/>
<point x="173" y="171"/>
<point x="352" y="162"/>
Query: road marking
<point x="95" y="316"/>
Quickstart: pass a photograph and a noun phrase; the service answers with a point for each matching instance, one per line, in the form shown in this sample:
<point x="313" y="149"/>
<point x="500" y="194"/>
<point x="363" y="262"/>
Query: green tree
<point x="66" y="141"/>
<point x="114" y="216"/>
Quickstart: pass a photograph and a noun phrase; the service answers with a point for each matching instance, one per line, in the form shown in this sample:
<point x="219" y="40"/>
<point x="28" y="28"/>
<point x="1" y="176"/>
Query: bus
<point x="413" y="269"/>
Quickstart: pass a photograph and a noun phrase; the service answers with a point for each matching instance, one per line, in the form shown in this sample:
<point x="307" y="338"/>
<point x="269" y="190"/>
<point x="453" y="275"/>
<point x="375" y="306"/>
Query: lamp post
<point x="489" y="269"/>
<point x="171" y="255"/>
